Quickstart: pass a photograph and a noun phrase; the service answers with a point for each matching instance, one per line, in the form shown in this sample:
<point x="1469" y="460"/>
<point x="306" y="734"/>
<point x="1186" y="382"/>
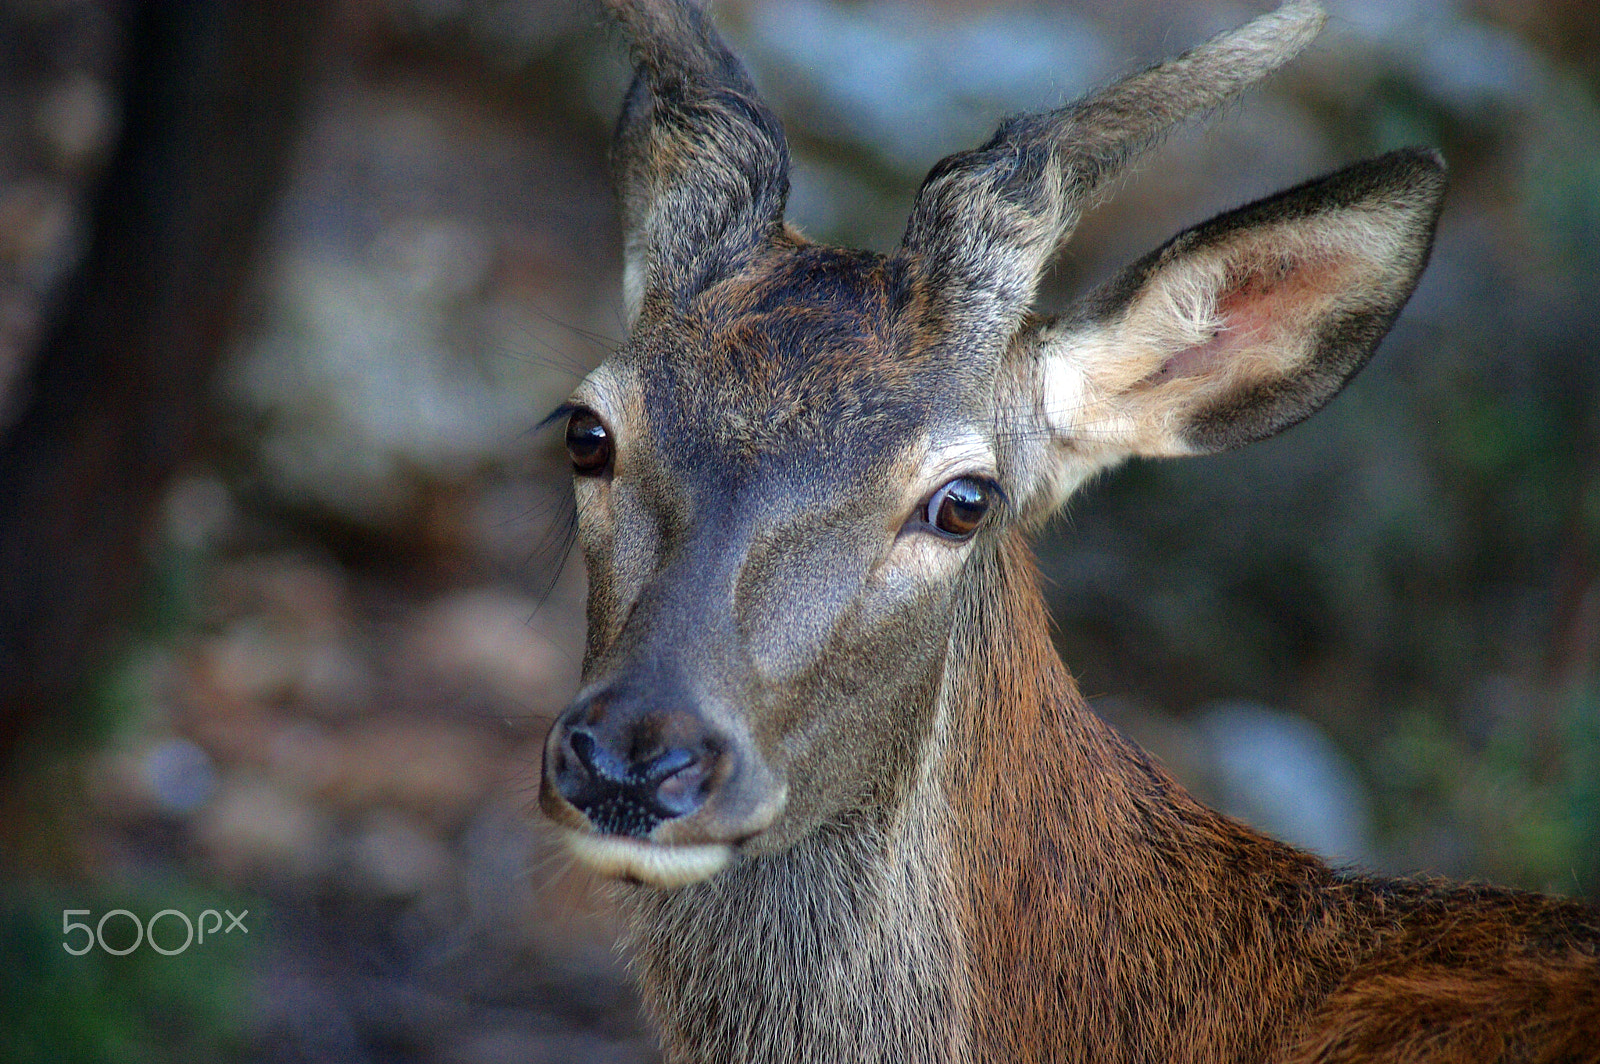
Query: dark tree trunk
<point x="113" y="401"/>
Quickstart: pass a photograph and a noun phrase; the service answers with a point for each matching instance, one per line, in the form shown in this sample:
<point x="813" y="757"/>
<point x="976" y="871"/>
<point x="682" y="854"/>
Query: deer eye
<point x="588" y="443"/>
<point x="957" y="509"/>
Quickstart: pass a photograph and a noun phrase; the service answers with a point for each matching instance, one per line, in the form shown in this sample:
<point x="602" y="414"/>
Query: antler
<point x="702" y="167"/>
<point x="986" y="222"/>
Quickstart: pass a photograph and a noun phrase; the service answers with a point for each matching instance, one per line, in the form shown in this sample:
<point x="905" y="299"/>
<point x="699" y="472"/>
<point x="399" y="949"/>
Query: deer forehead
<point x="820" y="366"/>
<point x="711" y="446"/>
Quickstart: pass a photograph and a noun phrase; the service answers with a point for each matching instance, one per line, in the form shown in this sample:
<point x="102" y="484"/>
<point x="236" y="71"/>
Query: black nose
<point x="629" y="772"/>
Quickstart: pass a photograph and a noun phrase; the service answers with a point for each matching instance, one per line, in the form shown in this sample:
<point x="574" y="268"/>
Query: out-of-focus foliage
<point x="104" y="1009"/>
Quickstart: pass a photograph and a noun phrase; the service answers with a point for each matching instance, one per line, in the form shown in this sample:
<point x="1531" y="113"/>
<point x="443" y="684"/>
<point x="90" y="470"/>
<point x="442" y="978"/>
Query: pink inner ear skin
<point x="1246" y="320"/>
<point x="1197" y="361"/>
<point x="1270" y="298"/>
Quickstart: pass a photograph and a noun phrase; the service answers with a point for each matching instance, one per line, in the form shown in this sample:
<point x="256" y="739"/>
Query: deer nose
<point x="628" y="776"/>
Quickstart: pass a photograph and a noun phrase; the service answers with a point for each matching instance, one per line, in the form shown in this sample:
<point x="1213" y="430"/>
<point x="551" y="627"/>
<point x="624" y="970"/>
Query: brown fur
<point x="1113" y="918"/>
<point x="917" y="843"/>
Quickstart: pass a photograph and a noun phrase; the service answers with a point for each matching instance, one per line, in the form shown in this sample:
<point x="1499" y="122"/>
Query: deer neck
<point x="843" y="948"/>
<point x="1104" y="912"/>
<point x="1038" y="878"/>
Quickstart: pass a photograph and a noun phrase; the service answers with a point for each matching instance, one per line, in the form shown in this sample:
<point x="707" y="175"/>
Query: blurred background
<point x="313" y="639"/>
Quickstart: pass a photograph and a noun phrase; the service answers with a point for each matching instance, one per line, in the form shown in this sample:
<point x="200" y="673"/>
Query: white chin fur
<point x="647" y="862"/>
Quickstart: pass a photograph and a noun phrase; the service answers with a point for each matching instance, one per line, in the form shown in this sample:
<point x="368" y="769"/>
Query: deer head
<point x="788" y="476"/>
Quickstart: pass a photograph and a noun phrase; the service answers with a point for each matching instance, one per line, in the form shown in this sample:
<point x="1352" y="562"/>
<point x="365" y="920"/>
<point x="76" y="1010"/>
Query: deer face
<point x="785" y="477"/>
<point x="792" y="477"/>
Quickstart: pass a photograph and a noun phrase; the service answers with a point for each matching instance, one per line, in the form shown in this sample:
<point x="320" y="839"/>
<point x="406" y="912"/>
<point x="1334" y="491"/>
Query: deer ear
<point x="701" y="164"/>
<point x="1242" y="326"/>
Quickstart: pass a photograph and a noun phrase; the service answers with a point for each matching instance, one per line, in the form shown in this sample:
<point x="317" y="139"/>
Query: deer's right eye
<point x="588" y="444"/>
<point x="957" y="509"/>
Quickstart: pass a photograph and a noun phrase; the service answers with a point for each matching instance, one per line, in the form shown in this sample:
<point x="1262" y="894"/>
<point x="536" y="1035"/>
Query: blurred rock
<point x="290" y="633"/>
<point x="436" y="771"/>
<point x="439" y="259"/>
<point x="362" y="394"/>
<point x="77" y="121"/>
<point x="393" y="856"/>
<point x="307" y="755"/>
<point x="39" y="232"/>
<point x="335" y="680"/>
<point x="197" y="511"/>
<point x="257" y="830"/>
<point x="1282" y="774"/>
<point x="861" y="73"/>
<point x="255" y="661"/>
<point x="1467" y="63"/>
<point x="180" y="774"/>
<point x="487" y="638"/>
<point x="259" y="661"/>
<point x="400" y="348"/>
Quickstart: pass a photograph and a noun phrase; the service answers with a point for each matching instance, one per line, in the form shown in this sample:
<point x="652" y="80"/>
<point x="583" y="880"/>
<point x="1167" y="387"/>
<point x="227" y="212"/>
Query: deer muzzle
<point x="650" y="788"/>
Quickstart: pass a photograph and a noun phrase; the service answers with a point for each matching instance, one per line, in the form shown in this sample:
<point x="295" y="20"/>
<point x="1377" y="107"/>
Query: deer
<point x="854" y="806"/>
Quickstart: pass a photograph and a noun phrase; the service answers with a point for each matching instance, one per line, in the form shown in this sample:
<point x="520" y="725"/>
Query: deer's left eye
<point x="588" y="443"/>
<point x="958" y="509"/>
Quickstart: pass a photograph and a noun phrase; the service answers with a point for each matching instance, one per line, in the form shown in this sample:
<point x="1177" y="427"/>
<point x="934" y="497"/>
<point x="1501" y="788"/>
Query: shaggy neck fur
<point x="843" y="948"/>
<point x="1108" y="915"/>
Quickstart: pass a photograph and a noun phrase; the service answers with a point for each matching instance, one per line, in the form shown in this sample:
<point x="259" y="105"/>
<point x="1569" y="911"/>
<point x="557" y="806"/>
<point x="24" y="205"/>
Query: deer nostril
<point x="683" y="789"/>
<point x="581" y="745"/>
<point x="663" y="765"/>
<point x="597" y="761"/>
<point x="630" y="794"/>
